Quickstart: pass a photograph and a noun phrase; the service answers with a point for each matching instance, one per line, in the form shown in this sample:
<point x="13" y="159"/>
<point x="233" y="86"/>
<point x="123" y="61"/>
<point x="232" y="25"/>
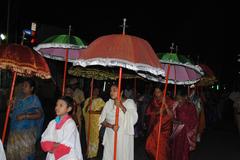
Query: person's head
<point x="96" y="92"/>
<point x="69" y="92"/>
<point x="157" y="92"/>
<point x="114" y="91"/>
<point x="73" y="83"/>
<point x="28" y="86"/>
<point x="64" y="106"/>
<point x="181" y="95"/>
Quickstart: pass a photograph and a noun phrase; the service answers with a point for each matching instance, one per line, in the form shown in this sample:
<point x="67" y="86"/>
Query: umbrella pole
<point x="160" y="119"/>
<point x="89" y="115"/>
<point x="117" y="114"/>
<point x="65" y="72"/>
<point x="9" y="106"/>
<point x="175" y="85"/>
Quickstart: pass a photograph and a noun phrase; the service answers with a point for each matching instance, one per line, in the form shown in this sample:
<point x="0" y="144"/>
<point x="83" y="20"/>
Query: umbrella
<point x="183" y="70"/>
<point x="123" y="51"/>
<point x="180" y="70"/>
<point x="99" y="73"/>
<point x="119" y="50"/>
<point x="208" y="78"/>
<point x="61" y="47"/>
<point x="23" y="61"/>
<point x="55" y="47"/>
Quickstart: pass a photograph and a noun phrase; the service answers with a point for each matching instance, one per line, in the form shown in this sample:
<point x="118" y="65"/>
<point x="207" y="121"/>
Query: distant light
<point x="3" y="36"/>
<point x="34" y="26"/>
<point x="212" y="86"/>
<point x="217" y="87"/>
<point x="27" y="32"/>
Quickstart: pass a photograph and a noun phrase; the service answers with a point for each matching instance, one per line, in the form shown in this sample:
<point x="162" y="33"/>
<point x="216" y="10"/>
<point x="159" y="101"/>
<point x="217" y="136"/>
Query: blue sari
<point x="24" y="134"/>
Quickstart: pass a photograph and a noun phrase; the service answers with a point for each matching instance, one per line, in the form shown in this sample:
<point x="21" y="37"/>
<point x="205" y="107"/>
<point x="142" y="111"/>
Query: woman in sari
<point x="26" y="123"/>
<point x="96" y="109"/>
<point x="185" y="140"/>
<point x="153" y="113"/>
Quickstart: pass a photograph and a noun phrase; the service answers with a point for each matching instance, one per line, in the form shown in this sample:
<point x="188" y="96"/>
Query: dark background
<point x="199" y="29"/>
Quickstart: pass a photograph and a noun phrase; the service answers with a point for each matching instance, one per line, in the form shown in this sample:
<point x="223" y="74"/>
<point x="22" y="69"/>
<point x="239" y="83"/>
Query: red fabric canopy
<point x="24" y="61"/>
<point x="207" y="71"/>
<point x="121" y="50"/>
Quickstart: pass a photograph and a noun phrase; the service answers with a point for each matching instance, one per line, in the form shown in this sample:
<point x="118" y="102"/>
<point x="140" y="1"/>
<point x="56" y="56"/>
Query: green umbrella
<point x="65" y="41"/>
<point x="63" y="48"/>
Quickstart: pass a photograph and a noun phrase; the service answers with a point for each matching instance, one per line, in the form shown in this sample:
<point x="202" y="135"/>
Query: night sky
<point x="198" y="29"/>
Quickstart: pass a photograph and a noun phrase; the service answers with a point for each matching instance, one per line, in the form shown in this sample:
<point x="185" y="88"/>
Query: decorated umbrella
<point x="180" y="71"/>
<point x="23" y="61"/>
<point x="123" y="51"/>
<point x="208" y="78"/>
<point x="99" y="73"/>
<point x="63" y="48"/>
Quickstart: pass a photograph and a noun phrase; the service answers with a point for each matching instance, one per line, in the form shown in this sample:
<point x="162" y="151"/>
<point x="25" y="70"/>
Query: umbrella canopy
<point x="24" y="61"/>
<point x="99" y="73"/>
<point x="208" y="78"/>
<point x="55" y="47"/>
<point x="119" y="50"/>
<point x="182" y="70"/>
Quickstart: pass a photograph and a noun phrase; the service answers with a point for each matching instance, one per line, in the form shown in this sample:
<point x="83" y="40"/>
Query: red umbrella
<point x="121" y="50"/>
<point x="23" y="61"/>
<point x="209" y="76"/>
<point x="207" y="70"/>
<point x="124" y="51"/>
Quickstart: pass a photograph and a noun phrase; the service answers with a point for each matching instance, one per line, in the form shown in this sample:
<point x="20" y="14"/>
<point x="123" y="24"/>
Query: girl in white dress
<point x="61" y="138"/>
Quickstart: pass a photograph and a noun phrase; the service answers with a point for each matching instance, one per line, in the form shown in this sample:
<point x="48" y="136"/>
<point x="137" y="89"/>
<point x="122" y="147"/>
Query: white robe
<point x="2" y="152"/>
<point x="67" y="135"/>
<point x="125" y="145"/>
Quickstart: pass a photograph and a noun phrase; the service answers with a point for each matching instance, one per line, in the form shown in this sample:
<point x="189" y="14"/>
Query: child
<point x="61" y="138"/>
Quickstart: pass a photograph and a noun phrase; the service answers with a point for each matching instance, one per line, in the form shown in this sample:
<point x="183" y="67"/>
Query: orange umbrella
<point x="23" y="61"/>
<point x="124" y="51"/>
<point x="121" y="50"/>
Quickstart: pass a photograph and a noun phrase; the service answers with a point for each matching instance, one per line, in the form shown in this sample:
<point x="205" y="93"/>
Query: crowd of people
<point x="85" y="127"/>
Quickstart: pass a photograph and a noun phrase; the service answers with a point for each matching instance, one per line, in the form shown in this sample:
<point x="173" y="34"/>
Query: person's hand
<point x="21" y="117"/>
<point x="117" y="103"/>
<point x="88" y="106"/>
<point x="12" y="103"/>
<point x="55" y="145"/>
<point x="160" y="112"/>
<point x="115" y="128"/>
<point x="164" y="100"/>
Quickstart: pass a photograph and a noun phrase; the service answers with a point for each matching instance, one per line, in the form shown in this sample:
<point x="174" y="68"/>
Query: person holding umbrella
<point x="26" y="124"/>
<point x="153" y="114"/>
<point x="127" y="118"/>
